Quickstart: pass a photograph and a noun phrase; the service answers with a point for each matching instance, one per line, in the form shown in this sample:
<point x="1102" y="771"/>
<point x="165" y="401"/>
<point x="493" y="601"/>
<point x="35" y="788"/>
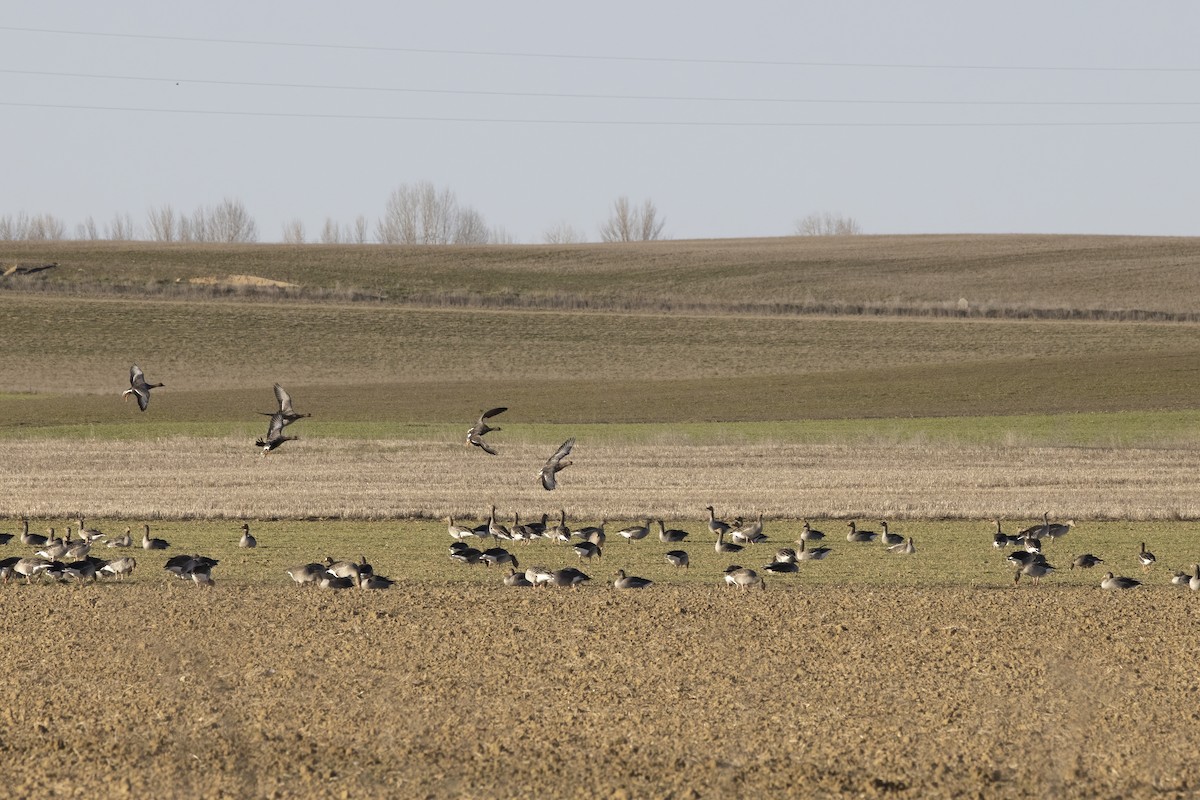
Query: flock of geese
<point x="70" y="559"/>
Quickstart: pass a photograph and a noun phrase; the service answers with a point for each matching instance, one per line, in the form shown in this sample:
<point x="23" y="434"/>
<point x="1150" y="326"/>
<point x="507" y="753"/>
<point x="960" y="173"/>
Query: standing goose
<point x="890" y="539"/>
<point x="670" y="535"/>
<point x="88" y="534"/>
<point x="247" y="540"/>
<point x="120" y="567"/>
<point x="811" y="553"/>
<point x="677" y="558"/>
<point x="752" y="533"/>
<point x="560" y="533"/>
<point x="554" y="464"/>
<point x="139" y="388"/>
<point x="458" y="532"/>
<point x="999" y="538"/>
<point x="1036" y="570"/>
<point x="496" y="530"/>
<point x="29" y="567"/>
<point x="715" y="525"/>
<point x="785" y="555"/>
<point x="593" y="533"/>
<point x="1145" y="557"/>
<point x="498" y="556"/>
<point x="152" y="544"/>
<point x="1118" y="582"/>
<point x="287" y="414"/>
<point x="124" y="540"/>
<point x="855" y="535"/>
<point x="477" y="431"/>
<point x="1056" y="530"/>
<point x="636" y="532"/>
<point x="588" y="550"/>
<point x="624" y="581"/>
<point x="274" y="437"/>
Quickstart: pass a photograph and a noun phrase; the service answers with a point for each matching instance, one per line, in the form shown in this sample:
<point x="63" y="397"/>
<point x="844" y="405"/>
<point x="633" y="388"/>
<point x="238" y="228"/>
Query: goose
<point x="519" y="532"/>
<point x="670" y="535"/>
<point x="743" y="578"/>
<point x="498" y="556"/>
<point x="1056" y="530"/>
<point x="465" y="555"/>
<point x="538" y="576"/>
<point x="514" y="578"/>
<point x="781" y="567"/>
<point x="55" y="548"/>
<point x="6" y="569"/>
<point x="1033" y="530"/>
<point x="999" y="538"/>
<point x="29" y="567"/>
<point x="1145" y="557"/>
<point x="1118" y="582"/>
<point x="904" y="548"/>
<point x="809" y="534"/>
<point x="723" y="546"/>
<point x="5" y="538"/>
<point x="624" y="581"/>
<point x="539" y="530"/>
<point x="185" y="566"/>
<point x="328" y="581"/>
<point x="120" y="567"/>
<point x="677" y="558"/>
<point x="201" y="574"/>
<point x="54" y="539"/>
<point x="342" y="569"/>
<point x="1086" y="561"/>
<point x="306" y="573"/>
<point x="458" y="532"/>
<point x="588" y="550"/>
<point x="31" y="539"/>
<point x="124" y="540"/>
<point x="1194" y="582"/>
<point x="477" y="431"/>
<point x="247" y="540"/>
<point x="286" y="412"/>
<point x="139" y="388"/>
<point x="1180" y="578"/>
<point x="855" y="535"/>
<point x="555" y="464"/>
<point x="88" y="534"/>
<point x="152" y="544"/>
<point x="1023" y="558"/>
<point x="785" y="555"/>
<point x="374" y="582"/>
<point x="635" y="533"/>
<point x="811" y="554"/>
<point x="890" y="539"/>
<point x="77" y="550"/>
<point x="593" y="533"/>
<point x="753" y="533"/>
<point x="1032" y="544"/>
<point x="560" y="533"/>
<point x="568" y="576"/>
<point x="364" y="568"/>
<point x="274" y="437"/>
<point x="1036" y="570"/>
<point x="496" y="530"/>
<point x="715" y="525"/>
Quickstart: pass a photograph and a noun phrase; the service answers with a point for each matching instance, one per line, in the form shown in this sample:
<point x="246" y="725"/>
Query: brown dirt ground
<point x="163" y="689"/>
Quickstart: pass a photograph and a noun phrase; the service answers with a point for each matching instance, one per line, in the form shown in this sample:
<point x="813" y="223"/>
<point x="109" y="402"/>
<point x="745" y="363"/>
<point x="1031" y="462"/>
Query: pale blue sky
<point x="518" y="163"/>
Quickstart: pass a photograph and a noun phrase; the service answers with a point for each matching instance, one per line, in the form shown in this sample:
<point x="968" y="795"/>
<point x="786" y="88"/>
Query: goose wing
<point x="555" y="463"/>
<point x="491" y="412"/>
<point x="275" y="428"/>
<point x="139" y="387"/>
<point x="285" y="400"/>
<point x="478" y="441"/>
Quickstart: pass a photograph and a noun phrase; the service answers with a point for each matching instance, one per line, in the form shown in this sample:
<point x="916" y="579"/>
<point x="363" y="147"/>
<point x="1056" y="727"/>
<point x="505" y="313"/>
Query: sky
<point x="734" y="119"/>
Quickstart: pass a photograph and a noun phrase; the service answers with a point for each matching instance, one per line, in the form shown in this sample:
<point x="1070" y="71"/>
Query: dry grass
<point x="182" y="477"/>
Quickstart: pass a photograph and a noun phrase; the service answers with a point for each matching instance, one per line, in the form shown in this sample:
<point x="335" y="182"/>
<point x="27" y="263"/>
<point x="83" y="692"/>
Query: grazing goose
<point x="1056" y="530"/>
<point x="855" y="535"/>
<point x="539" y="530"/>
<point x="1180" y="578"/>
<point x="568" y="576"/>
<point x="30" y="567"/>
<point x="781" y="567"/>
<point x="677" y="558"/>
<point x="593" y="533"/>
<point x="77" y="550"/>
<point x="514" y="578"/>
<point x="624" y="581"/>
<point x="715" y="525"/>
<point x="286" y="412"/>
<point x="120" y="567"/>
<point x="806" y="553"/>
<point x="458" y="532"/>
<point x="374" y="582"/>
<point x="890" y="539"/>
<point x="31" y="539"/>
<point x="464" y="554"/>
<point x="587" y="550"/>
<point x="247" y="540"/>
<point x="750" y="534"/>
<point x="55" y="548"/>
<point x="1086" y="561"/>
<point x="1118" y="582"/>
<point x="139" y="388"/>
<point x="636" y="532"/>
<point x="785" y="555"/>
<point x="306" y="573"/>
<point x="328" y="581"/>
<point x="152" y="544"/>
<point x="723" y="546"/>
<point x="555" y="464"/>
<point x="1145" y="557"/>
<point x="539" y="576"/>
<point x="498" y="556"/>
<point x="343" y="569"/>
<point x="1023" y="558"/>
<point x="124" y="540"/>
<point x="670" y="535"/>
<point x="810" y="534"/>
<point x="519" y="532"/>
<point x="1032" y="544"/>
<point x="743" y="578"/>
<point x="477" y="431"/>
<point x="183" y="566"/>
<point x="904" y="548"/>
<point x="274" y="437"/>
<point x="6" y="569"/>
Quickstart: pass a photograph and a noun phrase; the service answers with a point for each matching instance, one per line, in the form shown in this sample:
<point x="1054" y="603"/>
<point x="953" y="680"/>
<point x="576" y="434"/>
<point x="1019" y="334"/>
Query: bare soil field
<point x="163" y="689"/>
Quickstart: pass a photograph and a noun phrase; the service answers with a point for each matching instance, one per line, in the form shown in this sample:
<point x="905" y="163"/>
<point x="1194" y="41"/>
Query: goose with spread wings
<point x="286" y="411"/>
<point x="555" y="464"/>
<point x="481" y="427"/>
<point x="139" y="388"/>
<point x="274" y="437"/>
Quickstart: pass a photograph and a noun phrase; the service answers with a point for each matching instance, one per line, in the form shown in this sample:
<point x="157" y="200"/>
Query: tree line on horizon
<point x="415" y="214"/>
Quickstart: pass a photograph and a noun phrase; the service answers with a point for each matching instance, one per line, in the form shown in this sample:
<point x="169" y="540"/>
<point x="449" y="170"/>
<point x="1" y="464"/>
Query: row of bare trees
<point x="415" y="214"/>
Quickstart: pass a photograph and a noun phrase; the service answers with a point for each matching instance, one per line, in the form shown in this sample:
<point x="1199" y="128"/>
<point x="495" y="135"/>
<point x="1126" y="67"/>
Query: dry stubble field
<point x="870" y="675"/>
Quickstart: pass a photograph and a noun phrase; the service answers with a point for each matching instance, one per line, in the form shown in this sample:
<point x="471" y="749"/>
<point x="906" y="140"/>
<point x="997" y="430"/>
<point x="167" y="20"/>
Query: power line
<point x="612" y="122"/>
<point x="601" y="96"/>
<point x="611" y="58"/>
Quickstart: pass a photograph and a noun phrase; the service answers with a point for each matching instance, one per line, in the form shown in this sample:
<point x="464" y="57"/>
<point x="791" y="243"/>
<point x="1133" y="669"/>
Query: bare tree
<point x="230" y="222"/>
<point x="423" y="214"/>
<point x="471" y="228"/>
<point x="331" y="232"/>
<point x="359" y="233"/>
<point x="826" y="223"/>
<point x="121" y="228"/>
<point x="562" y="232"/>
<point x="46" y="228"/>
<point x="628" y="224"/>
<point x="293" y="231"/>
<point x="163" y="224"/>
<point x="87" y="230"/>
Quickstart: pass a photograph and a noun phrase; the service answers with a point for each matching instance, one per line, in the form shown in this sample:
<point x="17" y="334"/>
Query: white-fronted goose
<point x="806" y="553"/>
<point x="139" y="388"/>
<point x="124" y="540"/>
<point x="306" y="573"/>
<point x="1086" y="561"/>
<point x="677" y="558"/>
<point x="890" y="539"/>
<point x="477" y="431"/>
<point x="120" y="567"/>
<point x="274" y="437"/>
<point x="904" y="548"/>
<point x="670" y="535"/>
<point x="247" y="540"/>
<point x="152" y="544"/>
<point x="1118" y="582"/>
<point x="999" y="538"/>
<point x="623" y="581"/>
<point x="1145" y="557"/>
<point x="547" y="476"/>
<point x="810" y="534"/>
<point x="635" y="533"/>
<point x="862" y="537"/>
<point x="287" y="414"/>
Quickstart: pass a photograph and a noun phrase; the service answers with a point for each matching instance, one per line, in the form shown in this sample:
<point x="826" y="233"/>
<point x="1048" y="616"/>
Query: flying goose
<point x="670" y="535"/>
<point x="890" y="539"/>
<point x="624" y="581"/>
<point x="286" y="412"/>
<point x="1120" y="582"/>
<point x="138" y="387"/>
<point x="636" y="532"/>
<point x="1145" y="557"/>
<point x="477" y="431"/>
<point x="677" y="558"/>
<point x="274" y="437"/>
<point x="554" y="464"/>
<point x="1086" y="561"/>
<point x="855" y="535"/>
<point x="152" y="544"/>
